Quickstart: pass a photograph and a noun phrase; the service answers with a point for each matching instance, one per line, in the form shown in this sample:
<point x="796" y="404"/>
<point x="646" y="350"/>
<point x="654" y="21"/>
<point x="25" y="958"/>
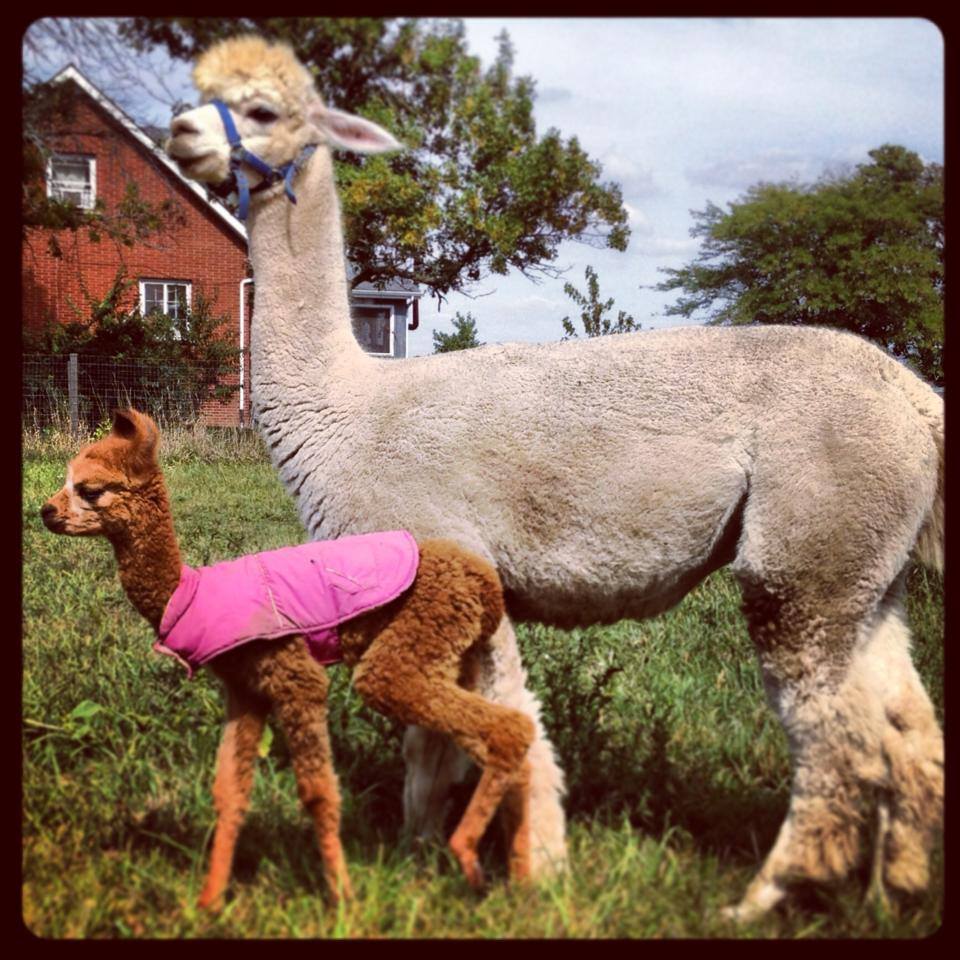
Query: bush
<point x="166" y="366"/>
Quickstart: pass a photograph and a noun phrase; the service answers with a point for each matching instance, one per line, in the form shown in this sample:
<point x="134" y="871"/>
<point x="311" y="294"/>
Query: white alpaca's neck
<point x="309" y="375"/>
<point x="301" y="311"/>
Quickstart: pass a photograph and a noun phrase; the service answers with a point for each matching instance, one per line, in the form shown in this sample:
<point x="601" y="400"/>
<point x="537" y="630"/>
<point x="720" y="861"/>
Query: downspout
<point x="243" y="301"/>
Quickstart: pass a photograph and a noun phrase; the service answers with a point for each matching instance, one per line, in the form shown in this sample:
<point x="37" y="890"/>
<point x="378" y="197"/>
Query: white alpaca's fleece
<point x="606" y="478"/>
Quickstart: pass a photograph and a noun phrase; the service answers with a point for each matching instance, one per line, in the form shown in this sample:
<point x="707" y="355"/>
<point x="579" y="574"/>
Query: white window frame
<point x="166" y="296"/>
<point x="373" y="305"/>
<point x="88" y="198"/>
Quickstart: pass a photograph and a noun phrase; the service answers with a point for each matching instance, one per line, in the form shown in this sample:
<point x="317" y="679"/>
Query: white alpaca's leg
<point x="872" y="733"/>
<point x="913" y="750"/>
<point x="822" y="681"/>
<point x="819" y="839"/>
<point x="434" y="764"/>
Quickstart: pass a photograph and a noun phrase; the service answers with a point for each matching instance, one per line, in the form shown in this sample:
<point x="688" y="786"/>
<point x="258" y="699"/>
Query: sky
<point x="680" y="112"/>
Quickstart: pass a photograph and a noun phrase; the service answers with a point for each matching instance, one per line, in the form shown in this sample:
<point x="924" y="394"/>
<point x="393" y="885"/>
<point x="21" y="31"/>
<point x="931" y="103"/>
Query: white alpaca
<point x="607" y="478"/>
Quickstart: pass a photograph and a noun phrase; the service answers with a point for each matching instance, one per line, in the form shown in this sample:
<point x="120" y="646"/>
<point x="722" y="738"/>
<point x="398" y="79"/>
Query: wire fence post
<point x="73" y="395"/>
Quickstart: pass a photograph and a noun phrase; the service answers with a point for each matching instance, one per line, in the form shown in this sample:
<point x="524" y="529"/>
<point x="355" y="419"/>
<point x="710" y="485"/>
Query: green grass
<point x="678" y="773"/>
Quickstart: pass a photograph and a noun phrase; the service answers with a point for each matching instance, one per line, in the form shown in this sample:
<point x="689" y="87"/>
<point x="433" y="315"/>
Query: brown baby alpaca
<point x="410" y="660"/>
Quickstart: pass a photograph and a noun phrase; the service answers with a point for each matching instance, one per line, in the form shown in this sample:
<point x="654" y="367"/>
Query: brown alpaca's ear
<point x="142" y="434"/>
<point x="125" y="423"/>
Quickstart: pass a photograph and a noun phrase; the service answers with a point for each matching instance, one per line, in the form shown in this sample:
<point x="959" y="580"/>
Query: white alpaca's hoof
<point x="876" y="893"/>
<point x="755" y="904"/>
<point x="877" y="899"/>
<point x="736" y="914"/>
<point x="548" y="864"/>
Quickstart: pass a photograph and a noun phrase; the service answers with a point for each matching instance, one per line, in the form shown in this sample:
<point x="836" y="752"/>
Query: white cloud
<point x="770" y="166"/>
<point x="533" y="302"/>
<point x="647" y="241"/>
<point x="634" y="178"/>
<point x="553" y="94"/>
<point x="637" y="220"/>
<point x="662" y="247"/>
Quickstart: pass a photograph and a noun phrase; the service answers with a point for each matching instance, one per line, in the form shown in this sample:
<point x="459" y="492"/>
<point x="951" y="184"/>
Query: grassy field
<point x="678" y="773"/>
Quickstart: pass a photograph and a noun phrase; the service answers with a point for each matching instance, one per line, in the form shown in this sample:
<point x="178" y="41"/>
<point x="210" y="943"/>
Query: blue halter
<point x="240" y="155"/>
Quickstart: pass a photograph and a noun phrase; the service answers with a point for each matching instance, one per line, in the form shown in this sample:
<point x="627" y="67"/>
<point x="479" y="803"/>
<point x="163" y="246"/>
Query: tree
<point x="48" y="108"/>
<point x="464" y="335"/>
<point x="476" y="192"/>
<point x="861" y="252"/>
<point x="95" y="46"/>
<point x="595" y="324"/>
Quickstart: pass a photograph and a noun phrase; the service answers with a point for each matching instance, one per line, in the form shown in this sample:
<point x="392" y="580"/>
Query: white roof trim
<point x="360" y="292"/>
<point x="72" y="73"/>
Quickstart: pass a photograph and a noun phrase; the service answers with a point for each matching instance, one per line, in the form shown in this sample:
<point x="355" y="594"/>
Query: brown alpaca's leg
<point x="301" y="709"/>
<point x="497" y="738"/>
<point x="505" y="766"/>
<point x="514" y="810"/>
<point x="231" y="789"/>
<point x="394" y="678"/>
<point x="515" y="819"/>
<point x="412" y="665"/>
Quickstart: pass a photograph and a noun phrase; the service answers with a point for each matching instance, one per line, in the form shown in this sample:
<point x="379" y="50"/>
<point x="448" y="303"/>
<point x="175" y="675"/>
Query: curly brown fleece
<point x="408" y="659"/>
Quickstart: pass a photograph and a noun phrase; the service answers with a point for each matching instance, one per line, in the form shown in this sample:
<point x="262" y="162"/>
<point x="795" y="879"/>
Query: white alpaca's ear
<point x="344" y="131"/>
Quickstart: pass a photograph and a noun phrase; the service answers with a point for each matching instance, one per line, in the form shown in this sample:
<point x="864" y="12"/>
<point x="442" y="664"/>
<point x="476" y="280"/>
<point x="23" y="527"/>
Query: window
<point x="73" y="179"/>
<point x="373" y="328"/>
<point x="171" y="297"/>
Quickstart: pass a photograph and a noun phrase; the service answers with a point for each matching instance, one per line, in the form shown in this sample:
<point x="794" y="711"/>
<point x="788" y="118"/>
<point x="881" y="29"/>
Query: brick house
<point x="98" y="152"/>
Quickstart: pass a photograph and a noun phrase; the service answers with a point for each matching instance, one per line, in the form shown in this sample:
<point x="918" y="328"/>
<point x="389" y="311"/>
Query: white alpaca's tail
<point x="929" y="547"/>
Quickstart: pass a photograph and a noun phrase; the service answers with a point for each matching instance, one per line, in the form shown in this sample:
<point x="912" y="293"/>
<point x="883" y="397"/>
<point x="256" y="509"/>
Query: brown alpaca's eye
<point x="90" y="494"/>
<point x="262" y="115"/>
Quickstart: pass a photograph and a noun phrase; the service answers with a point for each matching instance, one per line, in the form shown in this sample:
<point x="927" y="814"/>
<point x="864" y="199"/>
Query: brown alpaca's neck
<point x="148" y="557"/>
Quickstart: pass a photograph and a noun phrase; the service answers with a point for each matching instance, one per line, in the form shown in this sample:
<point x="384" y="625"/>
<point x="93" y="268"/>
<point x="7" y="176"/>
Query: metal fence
<point x="78" y="392"/>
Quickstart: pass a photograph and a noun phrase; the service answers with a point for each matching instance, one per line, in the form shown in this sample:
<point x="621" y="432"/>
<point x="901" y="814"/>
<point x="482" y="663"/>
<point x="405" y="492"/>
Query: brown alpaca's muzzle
<point x="51" y="517"/>
<point x="60" y="515"/>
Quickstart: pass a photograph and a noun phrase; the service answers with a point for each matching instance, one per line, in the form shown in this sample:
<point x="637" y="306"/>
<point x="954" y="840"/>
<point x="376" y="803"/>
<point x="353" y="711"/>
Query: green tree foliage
<point x="48" y="108"/>
<point x="464" y="335"/>
<point x="181" y="360"/>
<point x="861" y="252"/>
<point x="476" y="192"/>
<point x="593" y="311"/>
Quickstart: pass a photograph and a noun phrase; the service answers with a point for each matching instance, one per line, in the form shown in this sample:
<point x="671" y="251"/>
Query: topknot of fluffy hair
<point x="241" y="66"/>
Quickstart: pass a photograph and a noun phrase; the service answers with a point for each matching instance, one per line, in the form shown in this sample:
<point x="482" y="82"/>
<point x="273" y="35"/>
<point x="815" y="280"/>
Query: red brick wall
<point x="205" y="251"/>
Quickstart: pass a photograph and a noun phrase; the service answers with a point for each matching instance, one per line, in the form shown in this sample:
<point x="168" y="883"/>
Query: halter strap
<point x="240" y="155"/>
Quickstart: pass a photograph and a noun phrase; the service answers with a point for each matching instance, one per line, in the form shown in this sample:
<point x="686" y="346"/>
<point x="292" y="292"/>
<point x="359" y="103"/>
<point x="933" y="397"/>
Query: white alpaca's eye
<point x="261" y="115"/>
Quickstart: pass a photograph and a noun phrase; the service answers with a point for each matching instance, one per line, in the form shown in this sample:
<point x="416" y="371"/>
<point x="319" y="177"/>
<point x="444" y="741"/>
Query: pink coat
<point x="307" y="589"/>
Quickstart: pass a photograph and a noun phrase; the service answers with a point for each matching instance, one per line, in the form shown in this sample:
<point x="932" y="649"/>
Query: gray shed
<point x="381" y="318"/>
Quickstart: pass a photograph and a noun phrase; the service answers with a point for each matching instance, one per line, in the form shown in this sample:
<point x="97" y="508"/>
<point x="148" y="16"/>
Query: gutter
<point x="243" y="301"/>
